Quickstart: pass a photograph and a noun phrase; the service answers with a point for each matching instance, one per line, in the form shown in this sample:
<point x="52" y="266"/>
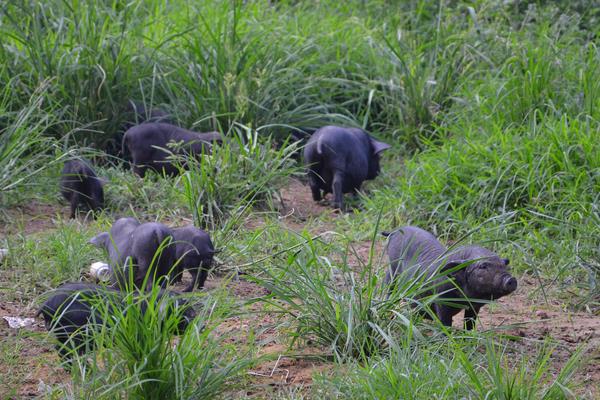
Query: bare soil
<point x="29" y="361"/>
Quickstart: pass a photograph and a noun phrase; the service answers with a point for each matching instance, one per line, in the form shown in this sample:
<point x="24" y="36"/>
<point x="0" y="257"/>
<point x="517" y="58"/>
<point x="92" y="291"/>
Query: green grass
<point x="417" y="370"/>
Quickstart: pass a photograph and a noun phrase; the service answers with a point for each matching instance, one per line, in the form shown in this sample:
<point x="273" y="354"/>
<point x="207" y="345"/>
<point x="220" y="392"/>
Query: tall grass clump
<point x="142" y="350"/>
<point x="346" y="309"/>
<point x="25" y="151"/>
<point x="427" y="59"/>
<point x="246" y="170"/>
<point x="93" y="51"/>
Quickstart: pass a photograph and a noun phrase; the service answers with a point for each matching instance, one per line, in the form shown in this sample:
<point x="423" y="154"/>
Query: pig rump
<point x="339" y="160"/>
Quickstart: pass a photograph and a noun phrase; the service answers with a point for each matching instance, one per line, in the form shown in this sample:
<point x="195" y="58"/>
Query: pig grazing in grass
<point x="131" y="244"/>
<point x="75" y="311"/>
<point x="416" y="254"/>
<point x="339" y="160"/>
<point x="149" y="143"/>
<point x="194" y="252"/>
<point x="80" y="186"/>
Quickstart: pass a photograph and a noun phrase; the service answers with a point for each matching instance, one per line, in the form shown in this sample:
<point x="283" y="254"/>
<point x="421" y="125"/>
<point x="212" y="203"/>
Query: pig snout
<point x="509" y="284"/>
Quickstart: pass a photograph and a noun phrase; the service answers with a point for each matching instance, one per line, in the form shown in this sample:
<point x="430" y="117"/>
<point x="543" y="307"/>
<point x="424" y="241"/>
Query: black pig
<point x="339" y="160"/>
<point x="73" y="312"/>
<point x="80" y="186"/>
<point x="131" y="243"/>
<point x="194" y="251"/>
<point x="146" y="141"/>
<point x="416" y="254"/>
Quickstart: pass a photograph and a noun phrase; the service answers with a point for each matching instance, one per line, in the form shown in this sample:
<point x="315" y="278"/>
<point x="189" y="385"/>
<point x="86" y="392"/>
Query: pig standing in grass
<point x="339" y="160"/>
<point x="194" y="252"/>
<point x="130" y="243"/>
<point x="416" y="254"/>
<point x="146" y="142"/>
<point x="80" y="186"/>
<point x="74" y="311"/>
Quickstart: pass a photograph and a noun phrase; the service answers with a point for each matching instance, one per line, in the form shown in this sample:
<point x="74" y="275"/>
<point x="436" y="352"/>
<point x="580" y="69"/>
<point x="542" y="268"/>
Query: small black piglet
<point x="130" y="243"/>
<point x="146" y="142"/>
<point x="339" y="160"/>
<point x="416" y="254"/>
<point x="79" y="185"/>
<point x="74" y="312"/>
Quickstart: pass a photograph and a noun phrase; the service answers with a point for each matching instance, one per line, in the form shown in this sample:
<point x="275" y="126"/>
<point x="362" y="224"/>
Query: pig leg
<point x="314" y="186"/>
<point x="74" y="203"/>
<point x="194" y="273"/>
<point x="198" y="279"/>
<point x="202" y="279"/>
<point x="471" y="316"/>
<point x="93" y="208"/>
<point x="140" y="171"/>
<point x="338" y="196"/>
<point x="444" y="315"/>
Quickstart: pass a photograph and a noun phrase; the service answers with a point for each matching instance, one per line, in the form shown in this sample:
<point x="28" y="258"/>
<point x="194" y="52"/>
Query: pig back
<point x="146" y="240"/>
<point x="412" y="251"/>
<point x="472" y="252"/>
<point x="119" y="241"/>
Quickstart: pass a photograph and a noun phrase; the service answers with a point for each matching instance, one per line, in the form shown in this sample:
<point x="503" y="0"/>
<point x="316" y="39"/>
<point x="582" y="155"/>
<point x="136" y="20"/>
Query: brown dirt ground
<point x="522" y="315"/>
<point x="30" y="218"/>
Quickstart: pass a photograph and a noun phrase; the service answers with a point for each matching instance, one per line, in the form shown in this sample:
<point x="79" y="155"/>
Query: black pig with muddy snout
<point x="80" y="186"/>
<point x="74" y="311"/>
<point x="146" y="142"/>
<point x="416" y="254"/>
<point x="194" y="251"/>
<point x="339" y="160"/>
<point x="130" y="243"/>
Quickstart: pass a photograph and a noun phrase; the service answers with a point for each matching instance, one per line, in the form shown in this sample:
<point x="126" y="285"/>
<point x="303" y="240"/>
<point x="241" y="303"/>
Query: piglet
<point x="130" y="243"/>
<point x="148" y="145"/>
<point x="79" y="185"/>
<point x="459" y="277"/>
<point x="74" y="312"/>
<point x="339" y="160"/>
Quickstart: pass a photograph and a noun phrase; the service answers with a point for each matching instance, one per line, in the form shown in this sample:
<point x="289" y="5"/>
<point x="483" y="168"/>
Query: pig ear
<point x="451" y="265"/>
<point x="99" y="240"/>
<point x="506" y="261"/>
<point x="378" y="146"/>
<point x="457" y="274"/>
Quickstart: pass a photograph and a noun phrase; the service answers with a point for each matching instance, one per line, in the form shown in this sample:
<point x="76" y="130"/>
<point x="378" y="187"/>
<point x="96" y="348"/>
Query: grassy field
<point x="493" y="113"/>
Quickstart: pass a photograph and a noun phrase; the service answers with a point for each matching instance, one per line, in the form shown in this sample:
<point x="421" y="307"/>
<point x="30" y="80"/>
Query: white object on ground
<point x="100" y="271"/>
<point x="18" y="322"/>
<point x="3" y="254"/>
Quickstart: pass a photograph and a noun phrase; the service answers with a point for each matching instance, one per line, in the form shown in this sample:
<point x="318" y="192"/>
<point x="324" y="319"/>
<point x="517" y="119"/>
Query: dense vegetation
<point x="493" y="111"/>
